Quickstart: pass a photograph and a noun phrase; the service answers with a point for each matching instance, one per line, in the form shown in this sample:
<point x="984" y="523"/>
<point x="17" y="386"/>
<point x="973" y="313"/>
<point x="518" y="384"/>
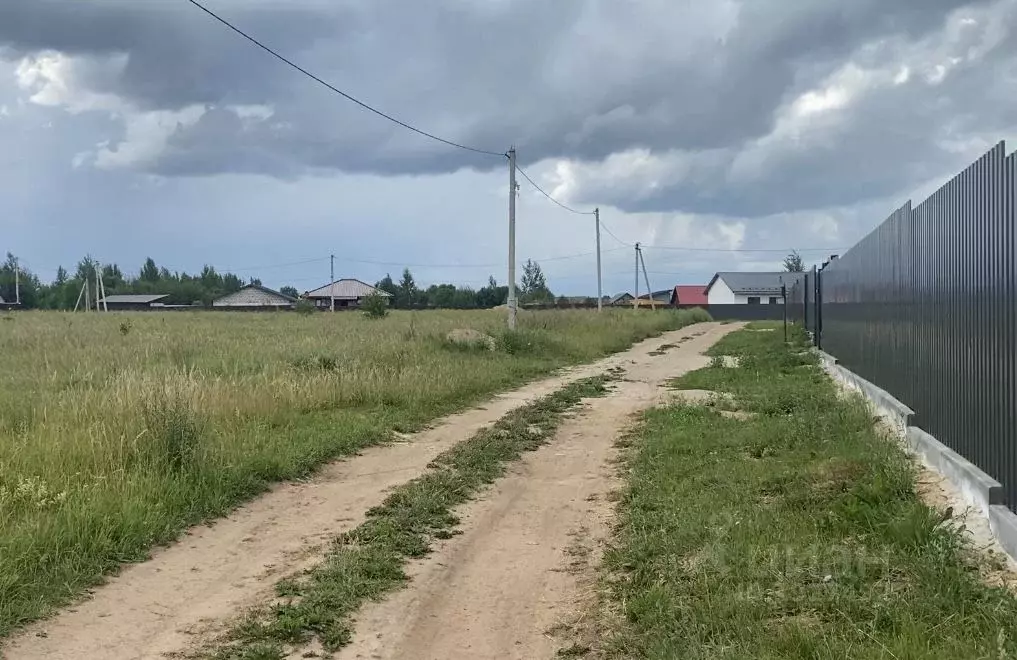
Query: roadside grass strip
<point x="368" y="562"/>
<point x="794" y="532"/>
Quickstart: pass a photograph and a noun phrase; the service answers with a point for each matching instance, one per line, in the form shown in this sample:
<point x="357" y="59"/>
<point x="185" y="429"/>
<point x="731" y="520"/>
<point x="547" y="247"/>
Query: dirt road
<point x="504" y="578"/>
<point x="513" y="583"/>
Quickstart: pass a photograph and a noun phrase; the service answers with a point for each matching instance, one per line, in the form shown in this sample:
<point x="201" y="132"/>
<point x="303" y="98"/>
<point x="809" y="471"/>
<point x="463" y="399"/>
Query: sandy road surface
<point x="162" y="606"/>
<point x="514" y="579"/>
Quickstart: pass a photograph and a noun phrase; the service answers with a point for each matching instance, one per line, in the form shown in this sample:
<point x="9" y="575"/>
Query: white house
<point x="749" y="288"/>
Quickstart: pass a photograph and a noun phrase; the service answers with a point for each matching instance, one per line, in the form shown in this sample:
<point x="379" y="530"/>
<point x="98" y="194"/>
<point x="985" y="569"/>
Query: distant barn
<point x="254" y="297"/>
<point x="132" y="302"/>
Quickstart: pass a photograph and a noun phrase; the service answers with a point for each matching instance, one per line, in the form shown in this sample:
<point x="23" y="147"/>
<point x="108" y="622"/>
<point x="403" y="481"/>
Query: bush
<point x="375" y="306"/>
<point x="304" y="307"/>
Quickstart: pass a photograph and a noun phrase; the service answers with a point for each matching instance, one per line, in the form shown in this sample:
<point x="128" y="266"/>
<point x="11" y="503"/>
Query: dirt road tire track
<point x="161" y="607"/>
<point x="500" y="589"/>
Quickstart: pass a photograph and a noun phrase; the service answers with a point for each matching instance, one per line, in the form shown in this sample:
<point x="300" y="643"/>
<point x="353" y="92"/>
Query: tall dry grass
<point x="119" y="430"/>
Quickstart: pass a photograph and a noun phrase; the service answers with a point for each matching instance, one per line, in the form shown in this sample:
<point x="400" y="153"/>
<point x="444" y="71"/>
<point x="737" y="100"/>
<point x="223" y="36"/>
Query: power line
<point x="611" y="234"/>
<point x="336" y="89"/>
<point x="545" y="194"/>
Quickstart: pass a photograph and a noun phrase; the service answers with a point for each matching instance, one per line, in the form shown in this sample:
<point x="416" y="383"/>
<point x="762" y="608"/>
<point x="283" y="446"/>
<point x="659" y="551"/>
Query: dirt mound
<point x="469" y="338"/>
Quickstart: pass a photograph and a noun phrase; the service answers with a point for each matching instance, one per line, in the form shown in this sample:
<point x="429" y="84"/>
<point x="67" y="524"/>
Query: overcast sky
<point x="133" y="129"/>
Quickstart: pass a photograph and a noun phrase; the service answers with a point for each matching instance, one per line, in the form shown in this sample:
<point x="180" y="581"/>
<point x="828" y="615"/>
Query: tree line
<point x="204" y="287"/>
<point x="407" y="295"/>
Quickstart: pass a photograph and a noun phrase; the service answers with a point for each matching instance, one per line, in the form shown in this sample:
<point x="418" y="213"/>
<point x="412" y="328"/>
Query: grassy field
<point x="794" y="533"/>
<point x="119" y="430"/>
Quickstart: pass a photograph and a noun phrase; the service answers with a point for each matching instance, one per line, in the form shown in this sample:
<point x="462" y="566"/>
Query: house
<point x="749" y="288"/>
<point x="693" y="295"/>
<point x="620" y="300"/>
<point x="662" y="297"/>
<point x="254" y="297"/>
<point x="348" y="294"/>
<point x="131" y="302"/>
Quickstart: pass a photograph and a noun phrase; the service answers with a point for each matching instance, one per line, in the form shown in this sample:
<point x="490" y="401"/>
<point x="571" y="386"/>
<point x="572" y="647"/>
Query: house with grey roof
<point x="621" y="299"/>
<point x="254" y="297"/>
<point x="348" y="294"/>
<point x="747" y="288"/>
<point x="133" y="302"/>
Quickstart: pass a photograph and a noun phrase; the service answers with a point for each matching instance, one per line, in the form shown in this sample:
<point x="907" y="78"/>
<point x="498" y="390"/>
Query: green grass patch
<point x="796" y="533"/>
<point x="112" y="442"/>
<point x="369" y="561"/>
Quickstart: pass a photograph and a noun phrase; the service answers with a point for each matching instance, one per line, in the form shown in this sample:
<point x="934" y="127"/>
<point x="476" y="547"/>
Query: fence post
<point x="783" y="293"/>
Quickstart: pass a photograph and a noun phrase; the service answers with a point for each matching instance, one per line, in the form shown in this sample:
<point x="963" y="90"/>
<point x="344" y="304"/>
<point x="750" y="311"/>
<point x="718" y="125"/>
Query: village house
<point x="254" y="297"/>
<point x="348" y="294"/>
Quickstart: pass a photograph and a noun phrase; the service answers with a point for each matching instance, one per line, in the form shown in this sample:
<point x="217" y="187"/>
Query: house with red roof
<point x="689" y="295"/>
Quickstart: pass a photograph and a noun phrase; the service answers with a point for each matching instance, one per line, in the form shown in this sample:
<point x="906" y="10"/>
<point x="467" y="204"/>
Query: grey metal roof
<point x="346" y="289"/>
<point x="748" y="283"/>
<point x="662" y="294"/>
<point x="135" y="298"/>
<point x="621" y="296"/>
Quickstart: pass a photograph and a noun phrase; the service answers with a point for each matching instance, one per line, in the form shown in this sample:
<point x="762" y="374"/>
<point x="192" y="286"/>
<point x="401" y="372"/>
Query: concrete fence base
<point x="978" y="490"/>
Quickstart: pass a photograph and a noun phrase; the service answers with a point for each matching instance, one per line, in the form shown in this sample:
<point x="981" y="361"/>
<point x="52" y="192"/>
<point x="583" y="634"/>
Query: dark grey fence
<point x="924" y="307"/>
<point x="745" y="312"/>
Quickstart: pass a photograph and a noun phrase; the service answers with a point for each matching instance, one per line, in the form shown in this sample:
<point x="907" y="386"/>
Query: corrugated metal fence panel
<point x="742" y="312"/>
<point x="924" y="307"/>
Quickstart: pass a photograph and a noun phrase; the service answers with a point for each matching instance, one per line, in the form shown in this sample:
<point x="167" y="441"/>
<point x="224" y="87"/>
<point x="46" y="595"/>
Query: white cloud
<point x="58" y="80"/>
<point x="146" y="136"/>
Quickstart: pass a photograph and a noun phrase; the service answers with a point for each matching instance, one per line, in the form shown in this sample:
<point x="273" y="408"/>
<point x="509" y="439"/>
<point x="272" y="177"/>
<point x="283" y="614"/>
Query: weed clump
<point x="174" y="430"/>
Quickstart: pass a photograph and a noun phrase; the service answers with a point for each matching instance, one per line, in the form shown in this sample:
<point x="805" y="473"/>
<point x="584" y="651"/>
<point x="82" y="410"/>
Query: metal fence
<point x="924" y="307"/>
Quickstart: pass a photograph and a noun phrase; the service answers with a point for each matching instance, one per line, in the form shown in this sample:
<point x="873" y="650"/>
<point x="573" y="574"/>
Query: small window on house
<point x="773" y="300"/>
<point x="753" y="300"/>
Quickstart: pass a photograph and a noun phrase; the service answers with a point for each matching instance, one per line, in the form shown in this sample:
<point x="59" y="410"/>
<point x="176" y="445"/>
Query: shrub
<point x="304" y="307"/>
<point x="375" y="306"/>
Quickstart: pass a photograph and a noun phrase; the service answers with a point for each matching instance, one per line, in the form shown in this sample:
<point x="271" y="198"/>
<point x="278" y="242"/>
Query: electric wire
<point x="546" y="194"/>
<point x="335" y="89"/>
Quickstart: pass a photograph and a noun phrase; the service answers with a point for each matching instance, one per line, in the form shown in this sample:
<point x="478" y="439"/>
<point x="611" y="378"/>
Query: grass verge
<point x="368" y="562"/>
<point x="793" y="533"/>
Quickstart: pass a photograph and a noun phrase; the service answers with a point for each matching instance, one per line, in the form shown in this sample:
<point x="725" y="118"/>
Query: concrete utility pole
<point x="649" y="291"/>
<point x="331" y="283"/>
<point x="101" y="289"/>
<point x="17" y="283"/>
<point x="635" y="302"/>
<point x="600" y="290"/>
<point x="512" y="240"/>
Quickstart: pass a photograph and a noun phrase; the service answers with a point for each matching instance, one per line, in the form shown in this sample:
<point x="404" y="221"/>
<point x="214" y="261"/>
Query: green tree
<point x="149" y="271"/>
<point x="112" y="276"/>
<point x="491" y="295"/>
<point x="793" y="263"/>
<point x="387" y="285"/>
<point x="61" y="276"/>
<point x="86" y="269"/>
<point x="408" y="294"/>
<point x="534" y="284"/>
<point x="22" y="284"/>
<point x="289" y="291"/>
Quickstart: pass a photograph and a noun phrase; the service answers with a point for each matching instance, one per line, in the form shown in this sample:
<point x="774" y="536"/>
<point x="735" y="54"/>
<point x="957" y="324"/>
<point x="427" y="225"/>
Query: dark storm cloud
<point x="558" y="79"/>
